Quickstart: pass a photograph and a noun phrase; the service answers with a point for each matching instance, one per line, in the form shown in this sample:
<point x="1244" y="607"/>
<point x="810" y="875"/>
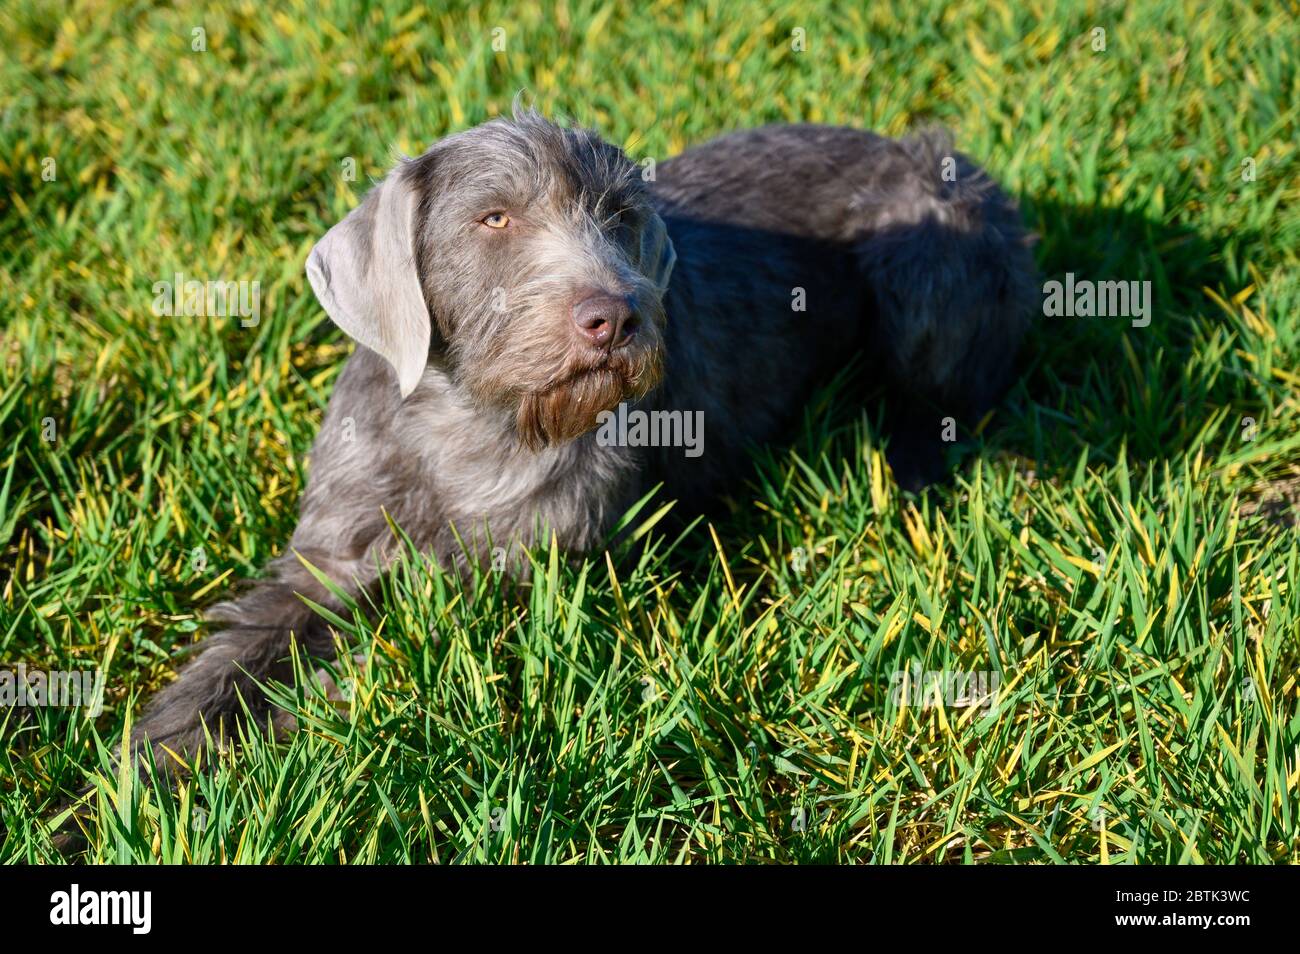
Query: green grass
<point x="1113" y="547"/>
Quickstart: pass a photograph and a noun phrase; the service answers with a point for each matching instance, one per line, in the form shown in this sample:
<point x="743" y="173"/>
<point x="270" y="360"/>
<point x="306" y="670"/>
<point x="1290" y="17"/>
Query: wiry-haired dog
<point x="520" y="278"/>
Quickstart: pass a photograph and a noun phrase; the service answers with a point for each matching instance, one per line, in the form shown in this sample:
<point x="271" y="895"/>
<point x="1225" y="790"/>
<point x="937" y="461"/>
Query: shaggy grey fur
<point x="471" y="399"/>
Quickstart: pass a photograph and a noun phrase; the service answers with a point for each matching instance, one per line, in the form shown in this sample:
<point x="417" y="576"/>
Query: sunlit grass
<point x="1118" y="546"/>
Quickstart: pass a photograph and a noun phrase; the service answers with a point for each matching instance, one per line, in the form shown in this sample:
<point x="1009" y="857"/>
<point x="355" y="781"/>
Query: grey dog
<point x="518" y="280"/>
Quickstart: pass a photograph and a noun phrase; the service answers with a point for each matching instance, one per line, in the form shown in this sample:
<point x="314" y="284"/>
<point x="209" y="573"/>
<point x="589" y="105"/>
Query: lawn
<point x="1115" y="556"/>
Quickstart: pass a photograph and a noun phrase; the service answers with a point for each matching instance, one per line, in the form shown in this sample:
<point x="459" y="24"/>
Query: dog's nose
<point x="607" y="321"/>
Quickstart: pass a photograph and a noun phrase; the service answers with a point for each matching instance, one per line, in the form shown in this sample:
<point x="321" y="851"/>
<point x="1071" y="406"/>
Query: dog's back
<point x="798" y="246"/>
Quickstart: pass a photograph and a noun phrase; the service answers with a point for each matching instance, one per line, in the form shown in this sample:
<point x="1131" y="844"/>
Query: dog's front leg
<point x="252" y="646"/>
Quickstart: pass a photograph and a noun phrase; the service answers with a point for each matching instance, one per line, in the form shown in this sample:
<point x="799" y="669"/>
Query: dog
<point x="518" y="282"/>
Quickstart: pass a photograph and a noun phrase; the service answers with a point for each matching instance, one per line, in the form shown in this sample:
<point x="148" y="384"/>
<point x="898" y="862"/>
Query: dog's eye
<point x="497" y="220"/>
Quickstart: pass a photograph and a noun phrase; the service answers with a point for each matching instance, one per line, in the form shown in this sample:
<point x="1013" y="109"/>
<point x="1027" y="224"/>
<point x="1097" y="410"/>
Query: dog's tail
<point x="949" y="264"/>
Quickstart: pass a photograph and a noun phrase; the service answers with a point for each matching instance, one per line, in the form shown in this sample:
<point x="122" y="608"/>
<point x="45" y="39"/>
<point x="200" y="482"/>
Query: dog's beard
<point x="568" y="408"/>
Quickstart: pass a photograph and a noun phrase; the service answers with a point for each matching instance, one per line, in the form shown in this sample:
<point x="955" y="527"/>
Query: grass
<point x="1118" y="548"/>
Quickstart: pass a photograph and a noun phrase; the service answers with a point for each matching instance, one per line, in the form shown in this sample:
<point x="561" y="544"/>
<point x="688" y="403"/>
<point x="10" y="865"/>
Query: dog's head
<point x="527" y="255"/>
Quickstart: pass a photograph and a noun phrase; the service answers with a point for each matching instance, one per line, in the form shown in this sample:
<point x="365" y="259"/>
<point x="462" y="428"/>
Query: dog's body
<point x="746" y="271"/>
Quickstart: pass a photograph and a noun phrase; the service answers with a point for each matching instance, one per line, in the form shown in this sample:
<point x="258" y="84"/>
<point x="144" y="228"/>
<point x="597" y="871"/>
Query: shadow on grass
<point x="1082" y="385"/>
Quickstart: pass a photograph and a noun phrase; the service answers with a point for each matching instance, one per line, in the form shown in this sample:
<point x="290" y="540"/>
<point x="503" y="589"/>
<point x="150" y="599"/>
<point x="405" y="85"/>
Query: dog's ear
<point x="364" y="274"/>
<point x="657" y="253"/>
